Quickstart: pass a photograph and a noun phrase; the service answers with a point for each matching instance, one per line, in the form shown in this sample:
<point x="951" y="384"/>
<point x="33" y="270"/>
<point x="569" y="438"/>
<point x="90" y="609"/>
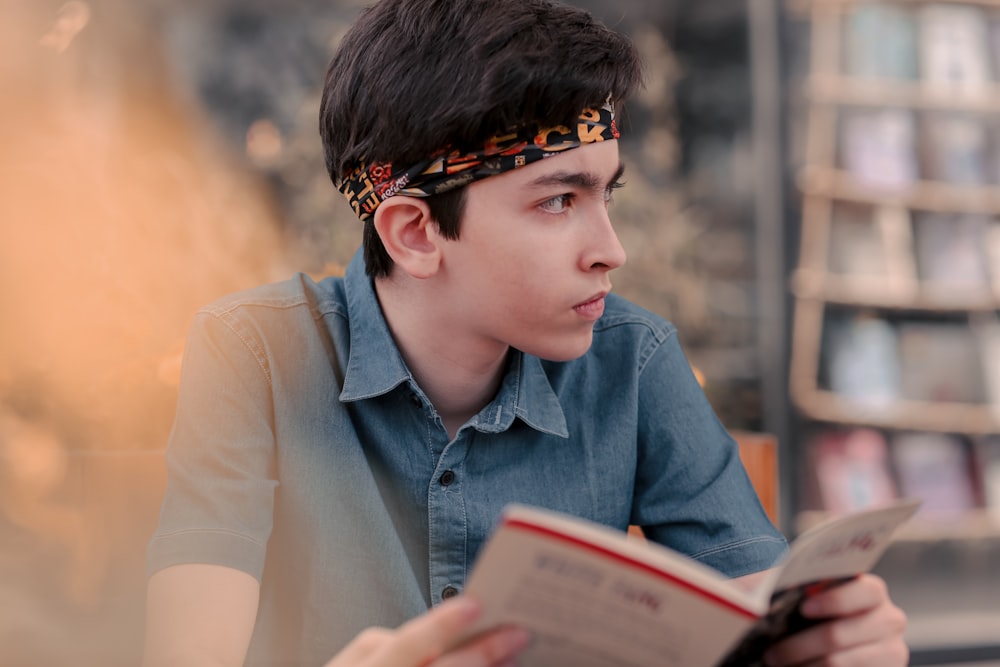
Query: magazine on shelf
<point x="955" y="148"/>
<point x="991" y="244"/>
<point x="591" y="596"/>
<point x="954" y="46"/>
<point x="987" y="332"/>
<point x="857" y="246"/>
<point x="993" y="149"/>
<point x="861" y="359"/>
<point x="852" y="469"/>
<point x="936" y="468"/>
<point x="987" y="459"/>
<point x="940" y="362"/>
<point x="879" y="147"/>
<point x="994" y="37"/>
<point x="881" y="42"/>
<point x="994" y="32"/>
<point x="952" y="252"/>
<point x="871" y="250"/>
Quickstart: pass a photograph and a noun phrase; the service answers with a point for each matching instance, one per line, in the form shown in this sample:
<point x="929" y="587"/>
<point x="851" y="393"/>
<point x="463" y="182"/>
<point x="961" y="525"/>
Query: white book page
<point x="843" y="547"/>
<point x="591" y="606"/>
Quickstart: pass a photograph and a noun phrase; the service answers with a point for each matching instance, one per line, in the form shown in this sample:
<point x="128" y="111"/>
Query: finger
<point x="858" y="595"/>
<point x="368" y="642"/>
<point x="878" y="629"/>
<point x="496" y="648"/>
<point x="883" y="654"/>
<point x="424" y="638"/>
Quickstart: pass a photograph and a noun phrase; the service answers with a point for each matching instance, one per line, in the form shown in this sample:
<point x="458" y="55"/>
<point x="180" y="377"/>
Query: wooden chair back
<point x="759" y="453"/>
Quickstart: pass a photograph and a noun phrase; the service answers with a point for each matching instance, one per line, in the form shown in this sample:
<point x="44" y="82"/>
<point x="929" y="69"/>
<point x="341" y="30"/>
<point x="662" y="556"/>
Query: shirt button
<point x="447" y="478"/>
<point x="415" y="400"/>
<point x="449" y="592"/>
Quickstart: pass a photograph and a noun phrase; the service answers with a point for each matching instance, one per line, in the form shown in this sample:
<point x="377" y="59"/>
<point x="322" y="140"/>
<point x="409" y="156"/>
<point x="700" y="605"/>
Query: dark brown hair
<point x="414" y="76"/>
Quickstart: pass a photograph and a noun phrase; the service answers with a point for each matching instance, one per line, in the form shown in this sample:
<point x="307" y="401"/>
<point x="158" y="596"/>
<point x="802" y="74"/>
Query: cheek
<point x="532" y="305"/>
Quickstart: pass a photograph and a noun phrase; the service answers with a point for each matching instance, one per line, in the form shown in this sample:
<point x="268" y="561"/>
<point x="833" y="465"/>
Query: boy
<point x="341" y="450"/>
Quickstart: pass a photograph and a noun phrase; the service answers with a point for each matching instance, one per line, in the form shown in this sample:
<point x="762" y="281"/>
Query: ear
<point x="409" y="234"/>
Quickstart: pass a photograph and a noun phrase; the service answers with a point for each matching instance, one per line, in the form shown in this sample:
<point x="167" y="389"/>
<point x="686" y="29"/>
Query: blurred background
<point x="813" y="192"/>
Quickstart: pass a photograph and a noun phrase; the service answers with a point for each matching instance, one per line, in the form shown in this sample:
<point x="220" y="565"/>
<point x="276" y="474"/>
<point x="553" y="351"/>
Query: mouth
<point x="592" y="308"/>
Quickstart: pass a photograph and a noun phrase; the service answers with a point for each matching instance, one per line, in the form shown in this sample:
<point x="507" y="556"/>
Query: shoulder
<point x="299" y="294"/>
<point x="274" y="326"/>
<point x="624" y="319"/>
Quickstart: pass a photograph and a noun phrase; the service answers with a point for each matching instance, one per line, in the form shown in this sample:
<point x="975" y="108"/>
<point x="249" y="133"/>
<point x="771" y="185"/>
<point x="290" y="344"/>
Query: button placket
<point x="448" y="530"/>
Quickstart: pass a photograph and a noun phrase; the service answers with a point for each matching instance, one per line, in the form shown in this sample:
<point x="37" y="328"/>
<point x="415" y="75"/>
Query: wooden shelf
<point x="936" y="196"/>
<point x="846" y="91"/>
<point x="834" y="207"/>
<point x="877" y="292"/>
<point x="975" y="525"/>
<point x="807" y="7"/>
<point x="902" y="415"/>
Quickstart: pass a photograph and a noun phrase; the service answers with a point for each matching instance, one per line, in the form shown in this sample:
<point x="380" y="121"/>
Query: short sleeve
<point x="219" y="498"/>
<point x="692" y="492"/>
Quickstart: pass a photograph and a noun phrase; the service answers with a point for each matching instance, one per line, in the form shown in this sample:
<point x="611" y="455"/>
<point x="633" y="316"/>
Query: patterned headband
<point x="369" y="186"/>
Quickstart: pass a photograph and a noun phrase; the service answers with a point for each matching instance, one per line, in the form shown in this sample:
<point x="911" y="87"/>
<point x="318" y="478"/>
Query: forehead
<point x="596" y="162"/>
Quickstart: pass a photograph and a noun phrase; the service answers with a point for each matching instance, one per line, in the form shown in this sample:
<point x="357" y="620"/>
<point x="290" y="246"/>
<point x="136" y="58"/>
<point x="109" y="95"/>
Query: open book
<point x="593" y="597"/>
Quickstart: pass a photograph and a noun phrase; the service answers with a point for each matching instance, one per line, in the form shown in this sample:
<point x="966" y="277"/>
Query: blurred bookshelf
<point x="894" y="369"/>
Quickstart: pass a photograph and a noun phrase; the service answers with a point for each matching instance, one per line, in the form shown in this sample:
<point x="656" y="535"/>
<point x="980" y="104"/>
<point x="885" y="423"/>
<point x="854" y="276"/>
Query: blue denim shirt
<point x="304" y="453"/>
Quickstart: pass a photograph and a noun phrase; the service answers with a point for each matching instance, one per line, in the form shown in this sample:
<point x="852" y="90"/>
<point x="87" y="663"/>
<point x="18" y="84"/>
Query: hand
<point x="861" y="626"/>
<point x="423" y="642"/>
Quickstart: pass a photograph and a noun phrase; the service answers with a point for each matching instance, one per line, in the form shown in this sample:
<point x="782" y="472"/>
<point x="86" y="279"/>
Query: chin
<point x="566" y="350"/>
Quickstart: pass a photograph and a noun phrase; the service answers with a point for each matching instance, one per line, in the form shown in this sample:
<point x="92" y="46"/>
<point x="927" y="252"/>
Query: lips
<point x="593" y="308"/>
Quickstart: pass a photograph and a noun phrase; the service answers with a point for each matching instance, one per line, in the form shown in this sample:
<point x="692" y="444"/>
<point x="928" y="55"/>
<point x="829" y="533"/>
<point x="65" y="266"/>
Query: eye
<point x="557" y="204"/>
<point x="608" y="194"/>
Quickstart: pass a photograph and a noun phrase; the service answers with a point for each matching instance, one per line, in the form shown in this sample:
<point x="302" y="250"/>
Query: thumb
<point x="423" y="639"/>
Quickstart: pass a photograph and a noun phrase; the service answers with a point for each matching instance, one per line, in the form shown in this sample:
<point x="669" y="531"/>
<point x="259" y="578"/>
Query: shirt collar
<point x="527" y="394"/>
<point x="372" y="371"/>
<point x="374" y="366"/>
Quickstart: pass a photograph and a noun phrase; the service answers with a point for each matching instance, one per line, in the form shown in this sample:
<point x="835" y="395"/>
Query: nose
<point x="603" y="249"/>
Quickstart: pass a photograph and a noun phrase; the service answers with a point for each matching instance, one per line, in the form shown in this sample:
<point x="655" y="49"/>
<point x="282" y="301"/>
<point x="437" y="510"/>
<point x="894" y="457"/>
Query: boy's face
<point x="530" y="269"/>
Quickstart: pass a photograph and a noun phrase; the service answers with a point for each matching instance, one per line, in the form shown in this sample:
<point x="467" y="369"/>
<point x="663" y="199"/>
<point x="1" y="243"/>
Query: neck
<point x="459" y="372"/>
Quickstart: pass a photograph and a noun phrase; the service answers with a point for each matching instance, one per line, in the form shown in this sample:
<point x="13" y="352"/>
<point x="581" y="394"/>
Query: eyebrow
<point x="581" y="179"/>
